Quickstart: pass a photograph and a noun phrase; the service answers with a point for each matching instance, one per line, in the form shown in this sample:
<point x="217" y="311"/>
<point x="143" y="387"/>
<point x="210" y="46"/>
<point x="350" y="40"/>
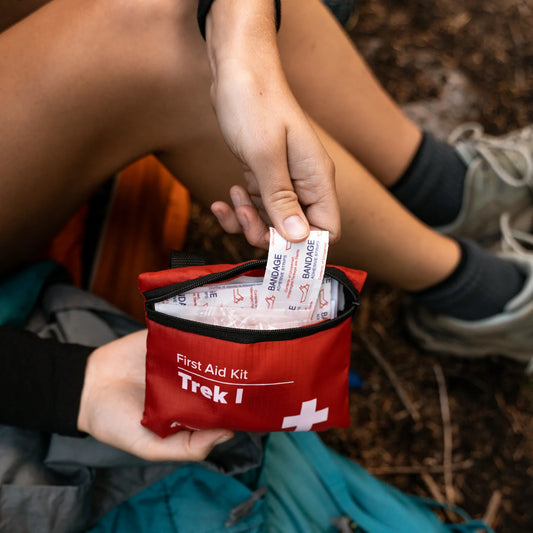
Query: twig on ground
<point x="492" y="508"/>
<point x="433" y="487"/>
<point x="419" y="469"/>
<point x="398" y="387"/>
<point x="447" y="434"/>
<point x="437" y="495"/>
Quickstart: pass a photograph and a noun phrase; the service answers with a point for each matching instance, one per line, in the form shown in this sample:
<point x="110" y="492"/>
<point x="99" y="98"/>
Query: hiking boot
<point x="499" y="179"/>
<point x="509" y="333"/>
<point x="516" y="233"/>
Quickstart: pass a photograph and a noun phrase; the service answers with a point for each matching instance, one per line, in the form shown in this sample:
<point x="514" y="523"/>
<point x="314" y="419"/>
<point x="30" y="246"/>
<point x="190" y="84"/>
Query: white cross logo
<point x="307" y="418"/>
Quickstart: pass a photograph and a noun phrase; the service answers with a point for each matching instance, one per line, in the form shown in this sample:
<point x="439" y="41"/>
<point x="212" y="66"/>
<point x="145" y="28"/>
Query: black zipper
<point x="243" y="336"/>
<point x="169" y="291"/>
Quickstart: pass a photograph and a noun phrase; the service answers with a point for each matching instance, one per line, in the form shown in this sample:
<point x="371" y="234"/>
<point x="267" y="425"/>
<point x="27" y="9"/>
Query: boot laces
<point x="516" y="239"/>
<point x="494" y="149"/>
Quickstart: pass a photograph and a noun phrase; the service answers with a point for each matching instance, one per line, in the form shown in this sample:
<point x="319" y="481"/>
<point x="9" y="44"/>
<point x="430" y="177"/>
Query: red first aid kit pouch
<point x="201" y="376"/>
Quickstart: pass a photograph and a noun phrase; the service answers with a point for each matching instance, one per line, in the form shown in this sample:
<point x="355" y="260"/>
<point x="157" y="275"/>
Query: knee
<point x="153" y="61"/>
<point x="158" y="30"/>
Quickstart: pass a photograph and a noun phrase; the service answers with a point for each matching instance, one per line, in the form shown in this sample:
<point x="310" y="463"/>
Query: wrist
<point x="204" y="8"/>
<point x="85" y="398"/>
<point x="239" y="31"/>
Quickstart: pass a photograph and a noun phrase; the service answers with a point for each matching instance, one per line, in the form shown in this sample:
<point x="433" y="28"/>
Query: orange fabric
<point x="66" y="247"/>
<point x="147" y="218"/>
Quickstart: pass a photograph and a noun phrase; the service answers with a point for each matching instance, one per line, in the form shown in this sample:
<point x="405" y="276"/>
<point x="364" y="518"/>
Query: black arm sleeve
<point x="205" y="5"/>
<point x="40" y="382"/>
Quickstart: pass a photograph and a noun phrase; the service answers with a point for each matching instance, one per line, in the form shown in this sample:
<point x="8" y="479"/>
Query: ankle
<point x="479" y="287"/>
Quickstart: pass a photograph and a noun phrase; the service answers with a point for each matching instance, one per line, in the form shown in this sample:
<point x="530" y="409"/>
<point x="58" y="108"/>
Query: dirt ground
<point x="440" y="427"/>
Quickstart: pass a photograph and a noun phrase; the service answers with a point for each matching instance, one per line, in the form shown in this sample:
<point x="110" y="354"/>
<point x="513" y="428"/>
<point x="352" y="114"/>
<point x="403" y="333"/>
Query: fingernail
<point x="295" y="227"/>
<point x="223" y="438"/>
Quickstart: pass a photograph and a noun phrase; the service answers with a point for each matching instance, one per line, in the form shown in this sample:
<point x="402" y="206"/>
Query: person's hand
<point x="112" y="403"/>
<point x="289" y="176"/>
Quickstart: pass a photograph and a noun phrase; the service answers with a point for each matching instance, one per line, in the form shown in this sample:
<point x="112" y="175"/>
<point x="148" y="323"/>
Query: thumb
<point x="204" y="441"/>
<point x="281" y="202"/>
<point x="185" y="445"/>
<point x="287" y="215"/>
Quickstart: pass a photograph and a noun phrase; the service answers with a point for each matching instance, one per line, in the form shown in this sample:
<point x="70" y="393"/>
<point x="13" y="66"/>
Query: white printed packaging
<point x="292" y="293"/>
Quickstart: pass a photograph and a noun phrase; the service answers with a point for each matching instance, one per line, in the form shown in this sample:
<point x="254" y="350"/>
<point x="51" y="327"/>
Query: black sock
<point x="432" y="186"/>
<point x="479" y="287"/>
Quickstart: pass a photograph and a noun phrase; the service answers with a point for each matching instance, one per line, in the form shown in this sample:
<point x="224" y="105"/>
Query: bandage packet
<point x="292" y="293"/>
<point x="294" y="272"/>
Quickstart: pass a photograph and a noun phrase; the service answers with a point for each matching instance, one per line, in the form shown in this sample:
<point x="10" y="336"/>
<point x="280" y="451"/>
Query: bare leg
<point x="335" y="86"/>
<point x="344" y="97"/>
<point x="88" y="87"/>
<point x="116" y="82"/>
<point x="380" y="236"/>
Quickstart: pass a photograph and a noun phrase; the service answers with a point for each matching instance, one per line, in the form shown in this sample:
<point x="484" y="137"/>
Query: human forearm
<point x="234" y="28"/>
<point x="241" y="44"/>
<point x="285" y="166"/>
<point x="238" y="8"/>
<point x="40" y="382"/>
<point x="70" y="389"/>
